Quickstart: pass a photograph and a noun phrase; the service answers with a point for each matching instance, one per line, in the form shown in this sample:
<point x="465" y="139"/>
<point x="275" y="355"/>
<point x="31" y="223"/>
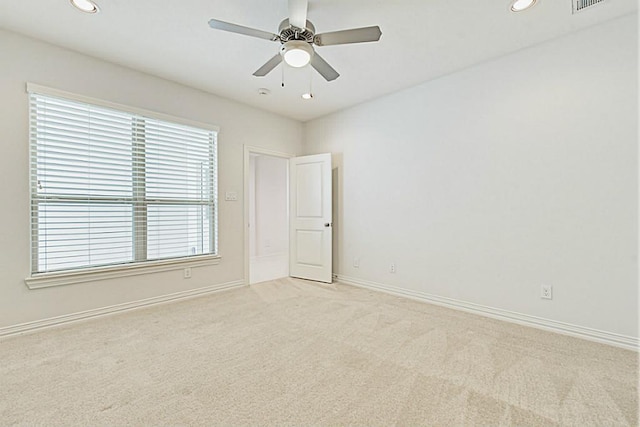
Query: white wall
<point x="485" y="184"/>
<point x="26" y="60"/>
<point x="252" y="206"/>
<point x="271" y="190"/>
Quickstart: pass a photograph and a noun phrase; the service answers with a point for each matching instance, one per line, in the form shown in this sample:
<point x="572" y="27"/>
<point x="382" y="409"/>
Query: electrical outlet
<point x="546" y="292"/>
<point x="392" y="269"/>
<point x="356" y="262"/>
<point x="187" y="273"/>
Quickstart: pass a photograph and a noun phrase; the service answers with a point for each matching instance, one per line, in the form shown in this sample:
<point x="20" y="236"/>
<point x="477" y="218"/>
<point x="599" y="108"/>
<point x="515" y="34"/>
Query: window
<point x="112" y="187"/>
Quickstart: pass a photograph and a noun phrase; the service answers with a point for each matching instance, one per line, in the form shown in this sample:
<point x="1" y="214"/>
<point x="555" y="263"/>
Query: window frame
<point x="137" y="266"/>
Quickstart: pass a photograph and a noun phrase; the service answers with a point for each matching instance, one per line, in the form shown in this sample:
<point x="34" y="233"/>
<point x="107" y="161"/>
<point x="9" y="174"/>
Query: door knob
<point x="328" y="224"/>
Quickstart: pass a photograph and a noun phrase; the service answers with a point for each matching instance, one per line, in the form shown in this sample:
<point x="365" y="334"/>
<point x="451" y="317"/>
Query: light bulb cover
<point x="87" y="6"/>
<point x="307" y="95"/>
<point x="520" y="5"/>
<point x="296" y="53"/>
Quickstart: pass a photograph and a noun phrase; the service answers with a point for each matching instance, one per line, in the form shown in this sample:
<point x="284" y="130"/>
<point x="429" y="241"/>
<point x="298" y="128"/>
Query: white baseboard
<point x="103" y="311"/>
<point x="629" y="343"/>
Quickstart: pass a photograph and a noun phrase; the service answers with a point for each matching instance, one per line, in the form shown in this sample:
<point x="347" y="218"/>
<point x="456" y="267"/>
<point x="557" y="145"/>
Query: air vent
<point x="580" y="5"/>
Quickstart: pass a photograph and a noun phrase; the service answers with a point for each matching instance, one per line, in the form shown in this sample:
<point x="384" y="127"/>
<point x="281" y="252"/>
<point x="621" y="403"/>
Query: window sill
<point x="47" y="280"/>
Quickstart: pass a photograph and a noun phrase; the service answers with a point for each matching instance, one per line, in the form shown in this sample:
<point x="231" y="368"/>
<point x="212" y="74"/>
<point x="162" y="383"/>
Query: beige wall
<point x="26" y="60"/>
<point x="485" y="184"/>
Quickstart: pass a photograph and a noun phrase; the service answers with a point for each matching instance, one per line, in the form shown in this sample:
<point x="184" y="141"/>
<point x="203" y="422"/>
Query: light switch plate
<point x="231" y="196"/>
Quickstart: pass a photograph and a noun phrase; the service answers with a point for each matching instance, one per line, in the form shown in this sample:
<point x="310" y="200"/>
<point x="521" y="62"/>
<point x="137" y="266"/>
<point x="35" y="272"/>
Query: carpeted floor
<point x="290" y="352"/>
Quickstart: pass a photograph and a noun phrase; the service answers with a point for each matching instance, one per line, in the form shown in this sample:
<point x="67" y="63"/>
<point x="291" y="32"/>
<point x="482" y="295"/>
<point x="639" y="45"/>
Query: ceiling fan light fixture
<point x="297" y="53"/>
<point x="86" y="6"/>
<point x="520" y="5"/>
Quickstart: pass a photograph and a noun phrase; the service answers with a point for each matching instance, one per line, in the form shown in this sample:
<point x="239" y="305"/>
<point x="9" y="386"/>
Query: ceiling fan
<point x="297" y="37"/>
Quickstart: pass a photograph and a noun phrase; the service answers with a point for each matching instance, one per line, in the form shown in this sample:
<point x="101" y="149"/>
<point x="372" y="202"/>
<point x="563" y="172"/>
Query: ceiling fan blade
<point x="239" y="29"/>
<point x="270" y="65"/>
<point x="355" y="35"/>
<point x="324" y="68"/>
<point x="298" y="13"/>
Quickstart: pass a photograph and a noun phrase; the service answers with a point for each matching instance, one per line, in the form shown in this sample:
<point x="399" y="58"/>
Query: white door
<point x="310" y="220"/>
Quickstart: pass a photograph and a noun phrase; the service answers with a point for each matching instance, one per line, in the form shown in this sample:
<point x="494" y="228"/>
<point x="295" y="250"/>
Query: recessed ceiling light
<point x="520" y="5"/>
<point x="307" y="95"/>
<point x="87" y="6"/>
<point x="263" y="91"/>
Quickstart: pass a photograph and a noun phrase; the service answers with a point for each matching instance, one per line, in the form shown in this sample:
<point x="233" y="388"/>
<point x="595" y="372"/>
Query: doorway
<point x="267" y="177"/>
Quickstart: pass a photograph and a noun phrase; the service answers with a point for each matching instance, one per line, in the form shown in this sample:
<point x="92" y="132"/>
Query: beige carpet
<point x="297" y="353"/>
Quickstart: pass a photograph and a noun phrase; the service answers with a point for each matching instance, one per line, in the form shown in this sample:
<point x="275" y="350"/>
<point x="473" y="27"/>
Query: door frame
<point x="248" y="151"/>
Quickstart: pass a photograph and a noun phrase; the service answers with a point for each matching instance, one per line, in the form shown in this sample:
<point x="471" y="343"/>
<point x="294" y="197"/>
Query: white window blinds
<point x="113" y="187"/>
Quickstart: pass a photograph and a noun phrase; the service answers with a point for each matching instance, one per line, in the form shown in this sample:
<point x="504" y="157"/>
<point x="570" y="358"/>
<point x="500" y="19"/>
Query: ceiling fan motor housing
<point x="288" y="32"/>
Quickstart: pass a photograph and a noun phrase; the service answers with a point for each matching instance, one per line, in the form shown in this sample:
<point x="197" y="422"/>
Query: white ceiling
<point x="421" y="40"/>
